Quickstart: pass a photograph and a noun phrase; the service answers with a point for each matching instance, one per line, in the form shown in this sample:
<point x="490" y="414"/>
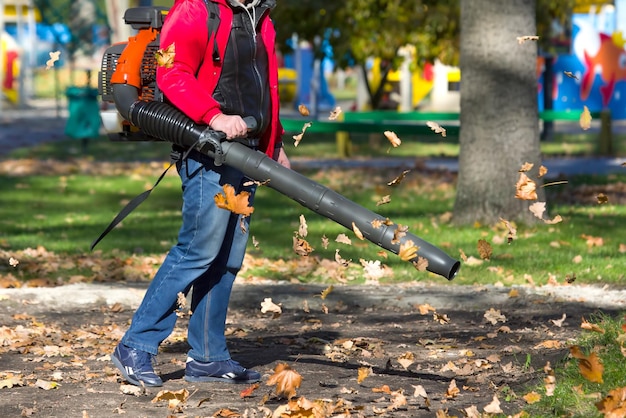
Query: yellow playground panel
<point x="420" y="83"/>
<point x="287" y="84"/>
<point x="11" y="67"/>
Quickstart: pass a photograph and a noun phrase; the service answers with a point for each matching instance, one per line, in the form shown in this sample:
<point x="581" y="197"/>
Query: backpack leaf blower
<point x="128" y="79"/>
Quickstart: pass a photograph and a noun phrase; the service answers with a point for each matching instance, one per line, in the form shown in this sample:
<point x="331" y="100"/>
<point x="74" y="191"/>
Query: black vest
<point x="243" y="87"/>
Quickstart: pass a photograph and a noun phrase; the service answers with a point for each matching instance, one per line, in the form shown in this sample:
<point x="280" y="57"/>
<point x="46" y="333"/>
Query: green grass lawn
<point x="65" y="213"/>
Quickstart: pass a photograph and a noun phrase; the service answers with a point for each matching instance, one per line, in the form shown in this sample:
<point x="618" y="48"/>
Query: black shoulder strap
<point x="213" y="23"/>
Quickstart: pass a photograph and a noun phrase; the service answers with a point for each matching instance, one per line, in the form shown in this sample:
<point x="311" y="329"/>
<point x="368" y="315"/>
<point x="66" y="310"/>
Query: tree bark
<point x="499" y="114"/>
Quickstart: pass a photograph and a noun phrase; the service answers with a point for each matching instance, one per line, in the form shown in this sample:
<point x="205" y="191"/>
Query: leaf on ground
<point x="452" y="390"/>
<point x="249" y="390"/>
<point x="494" y="316"/>
<point x="591" y="327"/>
<point x="602" y="199"/>
<point x="590" y="366"/>
<point x="532" y="397"/>
<point x="324" y="294"/>
<point x="441" y="318"/>
<point x="406" y="359"/>
<point x="614" y="404"/>
<point x="46" y="384"/>
<point x="363" y="373"/>
<point x="268" y="306"/>
<point x="494" y="406"/>
<point x="425" y="308"/>
<point x="559" y="322"/>
<point x="236" y="203"/>
<point x="286" y="379"/>
<point x="173" y="398"/>
<point x="10" y="381"/>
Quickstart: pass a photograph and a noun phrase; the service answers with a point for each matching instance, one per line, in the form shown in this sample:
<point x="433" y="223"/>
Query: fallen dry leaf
<point x="165" y="56"/>
<point x="54" y="57"/>
<point x="393" y="138"/>
<point x="304" y="111"/>
<point x="236" y="203"/>
<point x="590" y="366"/>
<point x="297" y="138"/>
<point x="570" y="75"/>
<point x="525" y="189"/>
<point x="585" y="118"/>
<point x="522" y="39"/>
<point x="438" y="129"/>
<point x="268" y="306"/>
<point x="408" y="250"/>
<point x="286" y="379"/>
<point x="398" y="179"/>
<point x="363" y="373"/>
<point x="484" y="249"/>
<point x="334" y="114"/>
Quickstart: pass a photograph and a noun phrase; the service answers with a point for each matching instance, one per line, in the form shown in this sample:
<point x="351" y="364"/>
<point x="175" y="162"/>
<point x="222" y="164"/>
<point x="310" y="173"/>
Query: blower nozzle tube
<point x="163" y="121"/>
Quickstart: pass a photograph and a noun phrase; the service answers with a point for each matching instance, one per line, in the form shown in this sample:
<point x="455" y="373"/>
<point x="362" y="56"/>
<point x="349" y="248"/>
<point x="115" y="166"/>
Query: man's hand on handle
<point x="232" y="125"/>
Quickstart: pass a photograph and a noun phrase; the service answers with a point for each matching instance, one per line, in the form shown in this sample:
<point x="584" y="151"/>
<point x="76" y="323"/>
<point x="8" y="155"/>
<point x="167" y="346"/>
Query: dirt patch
<point x="66" y="337"/>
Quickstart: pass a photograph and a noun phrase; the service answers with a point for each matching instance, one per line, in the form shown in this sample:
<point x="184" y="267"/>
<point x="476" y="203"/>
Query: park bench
<point x="414" y="123"/>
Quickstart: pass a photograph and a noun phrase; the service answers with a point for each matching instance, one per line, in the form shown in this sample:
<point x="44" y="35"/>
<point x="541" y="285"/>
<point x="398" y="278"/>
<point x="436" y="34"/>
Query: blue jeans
<point x="209" y="254"/>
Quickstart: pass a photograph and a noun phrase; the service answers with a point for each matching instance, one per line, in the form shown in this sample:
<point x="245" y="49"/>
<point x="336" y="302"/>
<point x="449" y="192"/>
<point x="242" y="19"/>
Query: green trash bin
<point x="83" y="121"/>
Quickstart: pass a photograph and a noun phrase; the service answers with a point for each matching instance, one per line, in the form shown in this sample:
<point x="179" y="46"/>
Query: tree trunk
<point x="499" y="115"/>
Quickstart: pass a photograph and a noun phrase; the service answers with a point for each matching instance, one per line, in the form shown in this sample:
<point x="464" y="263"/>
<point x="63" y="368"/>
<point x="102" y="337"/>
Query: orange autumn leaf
<point x="590" y="366"/>
<point x="363" y="373"/>
<point x="249" y="390"/>
<point x="614" y="404"/>
<point x="591" y="327"/>
<point x="236" y="203"/>
<point x="301" y="246"/>
<point x="532" y="397"/>
<point x="408" y="250"/>
<point x="304" y="111"/>
<point x="165" y="56"/>
<point x="484" y="249"/>
<point x="525" y="189"/>
<point x="286" y="380"/>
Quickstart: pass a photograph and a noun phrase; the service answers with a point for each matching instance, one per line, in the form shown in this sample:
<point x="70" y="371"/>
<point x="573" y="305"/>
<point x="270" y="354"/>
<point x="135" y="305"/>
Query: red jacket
<point x="190" y="82"/>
